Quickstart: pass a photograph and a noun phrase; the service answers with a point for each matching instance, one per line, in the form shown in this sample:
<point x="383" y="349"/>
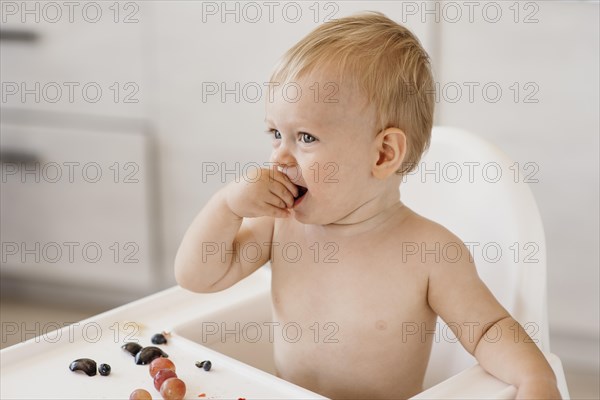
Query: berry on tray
<point x="173" y="389"/>
<point x="206" y="364"/>
<point x="148" y="354"/>
<point x="159" y="338"/>
<point x="104" y="369"/>
<point x="162" y="376"/>
<point x="86" y="365"/>
<point x="132" y="348"/>
<point x="161" y="363"/>
<point x="140" y="394"/>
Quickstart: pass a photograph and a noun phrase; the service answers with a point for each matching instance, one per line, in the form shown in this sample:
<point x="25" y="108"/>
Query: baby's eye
<point x="308" y="138"/>
<point x="275" y="132"/>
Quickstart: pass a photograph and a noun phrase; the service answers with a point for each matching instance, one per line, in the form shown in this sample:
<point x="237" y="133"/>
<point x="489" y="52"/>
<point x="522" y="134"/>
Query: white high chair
<point x="490" y="213"/>
<point x="473" y="189"/>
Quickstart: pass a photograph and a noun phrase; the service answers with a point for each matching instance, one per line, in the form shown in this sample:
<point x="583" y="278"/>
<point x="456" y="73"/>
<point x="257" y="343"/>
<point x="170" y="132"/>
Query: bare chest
<point x="358" y="280"/>
<point x="343" y="303"/>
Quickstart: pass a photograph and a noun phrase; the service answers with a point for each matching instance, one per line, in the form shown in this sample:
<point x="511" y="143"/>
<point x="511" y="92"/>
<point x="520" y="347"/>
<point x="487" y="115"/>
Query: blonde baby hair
<point x="385" y="60"/>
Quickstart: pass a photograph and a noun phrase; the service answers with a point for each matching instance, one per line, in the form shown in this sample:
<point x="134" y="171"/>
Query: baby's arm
<point x="500" y="344"/>
<point x="211" y="255"/>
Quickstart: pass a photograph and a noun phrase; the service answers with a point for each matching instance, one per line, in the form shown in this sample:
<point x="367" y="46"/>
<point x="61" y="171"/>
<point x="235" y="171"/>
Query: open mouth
<point x="301" y="192"/>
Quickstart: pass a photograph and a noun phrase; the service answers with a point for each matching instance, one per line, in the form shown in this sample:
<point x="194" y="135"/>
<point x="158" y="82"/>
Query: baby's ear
<point x="390" y="145"/>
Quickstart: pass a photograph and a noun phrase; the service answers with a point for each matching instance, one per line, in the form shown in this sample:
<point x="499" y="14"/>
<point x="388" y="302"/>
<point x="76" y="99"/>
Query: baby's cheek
<point x="312" y="173"/>
<point x="331" y="173"/>
<point x="331" y="179"/>
<point x="336" y="187"/>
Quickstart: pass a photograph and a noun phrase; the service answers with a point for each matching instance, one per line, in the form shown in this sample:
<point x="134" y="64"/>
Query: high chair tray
<point x="39" y="367"/>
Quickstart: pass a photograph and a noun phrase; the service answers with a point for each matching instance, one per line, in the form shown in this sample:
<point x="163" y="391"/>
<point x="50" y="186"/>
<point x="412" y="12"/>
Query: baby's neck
<point x="372" y="214"/>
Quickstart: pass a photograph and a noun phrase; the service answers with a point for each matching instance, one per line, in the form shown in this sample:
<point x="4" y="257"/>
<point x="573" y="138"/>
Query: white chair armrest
<point x="476" y="383"/>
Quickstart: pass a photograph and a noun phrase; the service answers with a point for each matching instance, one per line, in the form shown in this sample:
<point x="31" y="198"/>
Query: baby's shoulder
<point x="423" y="240"/>
<point x="417" y="227"/>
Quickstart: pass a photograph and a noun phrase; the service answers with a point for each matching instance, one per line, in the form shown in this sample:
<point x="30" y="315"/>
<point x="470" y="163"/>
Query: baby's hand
<point x="538" y="389"/>
<point x="270" y="194"/>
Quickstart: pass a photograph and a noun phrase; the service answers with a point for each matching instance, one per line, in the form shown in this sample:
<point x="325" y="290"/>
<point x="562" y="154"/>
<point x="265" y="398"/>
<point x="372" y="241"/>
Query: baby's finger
<point x="276" y="201"/>
<point x="284" y="180"/>
<point x="281" y="191"/>
<point x="276" y="212"/>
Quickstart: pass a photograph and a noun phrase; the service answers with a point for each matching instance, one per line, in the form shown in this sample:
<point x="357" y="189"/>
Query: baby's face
<point x="323" y="137"/>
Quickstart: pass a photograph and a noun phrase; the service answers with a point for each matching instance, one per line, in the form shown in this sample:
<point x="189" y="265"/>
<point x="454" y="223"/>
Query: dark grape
<point x="86" y="365"/>
<point x="149" y="354"/>
<point x="132" y="348"/>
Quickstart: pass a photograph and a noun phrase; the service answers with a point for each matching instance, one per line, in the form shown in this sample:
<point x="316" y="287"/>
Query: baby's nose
<point x="286" y="163"/>
<point x="283" y="158"/>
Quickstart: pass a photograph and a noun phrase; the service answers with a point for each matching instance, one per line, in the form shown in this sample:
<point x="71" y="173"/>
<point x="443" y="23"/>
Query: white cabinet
<point x="77" y="203"/>
<point x="74" y="56"/>
<point x="78" y="192"/>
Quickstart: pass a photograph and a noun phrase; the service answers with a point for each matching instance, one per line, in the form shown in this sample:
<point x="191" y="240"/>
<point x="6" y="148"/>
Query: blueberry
<point x="204" y="364"/>
<point x="159" y="338"/>
<point x="104" y="369"/>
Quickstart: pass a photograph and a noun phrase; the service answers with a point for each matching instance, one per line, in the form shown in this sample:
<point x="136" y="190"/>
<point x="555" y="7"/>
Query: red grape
<point x="161" y="375"/>
<point x="173" y="389"/>
<point x="161" y="363"/>
<point x="140" y="394"/>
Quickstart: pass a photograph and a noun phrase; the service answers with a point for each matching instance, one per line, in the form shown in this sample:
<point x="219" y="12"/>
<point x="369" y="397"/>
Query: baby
<point x="350" y="114"/>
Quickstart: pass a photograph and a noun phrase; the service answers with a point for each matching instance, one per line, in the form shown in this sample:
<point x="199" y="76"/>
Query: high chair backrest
<point x="472" y="188"/>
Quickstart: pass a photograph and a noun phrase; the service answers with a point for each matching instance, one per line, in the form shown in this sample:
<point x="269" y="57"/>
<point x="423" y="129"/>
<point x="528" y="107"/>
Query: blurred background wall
<point x="121" y="119"/>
